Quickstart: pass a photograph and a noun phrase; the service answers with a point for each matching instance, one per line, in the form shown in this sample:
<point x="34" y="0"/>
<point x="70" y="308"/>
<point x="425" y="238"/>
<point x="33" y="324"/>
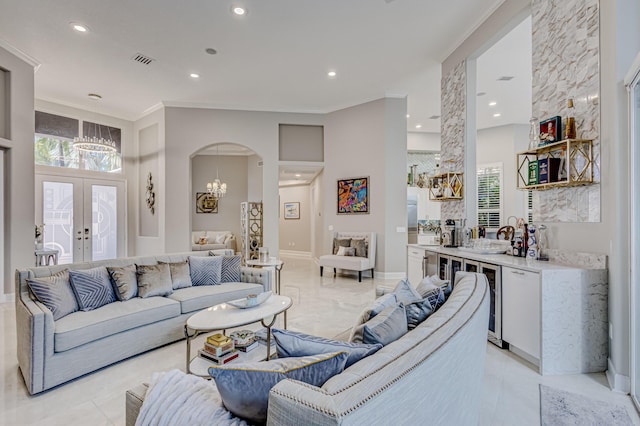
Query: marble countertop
<point x="501" y="259"/>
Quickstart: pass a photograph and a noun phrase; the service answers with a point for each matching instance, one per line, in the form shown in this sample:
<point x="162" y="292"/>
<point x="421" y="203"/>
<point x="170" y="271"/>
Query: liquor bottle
<point x="562" y="167"/>
<point x="570" y="127"/>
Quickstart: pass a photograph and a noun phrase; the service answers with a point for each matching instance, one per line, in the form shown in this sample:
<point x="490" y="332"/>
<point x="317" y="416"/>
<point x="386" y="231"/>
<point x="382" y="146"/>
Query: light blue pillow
<point x="292" y="343"/>
<point x="386" y="327"/>
<point x="230" y="271"/>
<point x="92" y="288"/>
<point x="405" y="292"/>
<point x="428" y="282"/>
<point x="418" y="312"/>
<point x="244" y="387"/>
<point x="205" y="270"/>
<point x="433" y="290"/>
<point x="55" y="293"/>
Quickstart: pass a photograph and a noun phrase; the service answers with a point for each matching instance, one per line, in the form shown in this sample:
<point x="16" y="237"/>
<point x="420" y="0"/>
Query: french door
<point x="84" y="219"/>
<point x="633" y="85"/>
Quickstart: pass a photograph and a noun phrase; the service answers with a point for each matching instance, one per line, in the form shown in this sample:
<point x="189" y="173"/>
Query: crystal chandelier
<point x="217" y="188"/>
<point x="95" y="143"/>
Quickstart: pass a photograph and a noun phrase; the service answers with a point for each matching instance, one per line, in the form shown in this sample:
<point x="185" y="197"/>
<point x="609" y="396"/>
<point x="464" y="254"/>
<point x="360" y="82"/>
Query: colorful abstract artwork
<point x="353" y="195"/>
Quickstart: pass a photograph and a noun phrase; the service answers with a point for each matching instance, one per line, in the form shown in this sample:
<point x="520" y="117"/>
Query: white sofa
<point x="352" y="263"/>
<point x="431" y="375"/>
<point x="215" y="240"/>
<point x="51" y="352"/>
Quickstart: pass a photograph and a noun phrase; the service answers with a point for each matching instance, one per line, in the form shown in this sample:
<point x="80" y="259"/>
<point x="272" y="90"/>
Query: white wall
<point x="500" y="145"/>
<point x="232" y="171"/>
<point x="316" y="197"/>
<point x="18" y="142"/>
<point x="295" y="234"/>
<point x="151" y="157"/>
<point x="188" y="130"/>
<point x="370" y="140"/>
<point x="254" y="182"/>
<point x="423" y="141"/>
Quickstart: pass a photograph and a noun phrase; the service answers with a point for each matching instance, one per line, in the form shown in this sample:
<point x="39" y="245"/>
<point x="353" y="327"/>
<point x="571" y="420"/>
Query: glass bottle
<point x="542" y="243"/>
<point x="534" y="133"/>
<point x="570" y="127"/>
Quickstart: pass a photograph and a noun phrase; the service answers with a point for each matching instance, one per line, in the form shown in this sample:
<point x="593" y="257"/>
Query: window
<point x="490" y="196"/>
<point x="53" y="145"/>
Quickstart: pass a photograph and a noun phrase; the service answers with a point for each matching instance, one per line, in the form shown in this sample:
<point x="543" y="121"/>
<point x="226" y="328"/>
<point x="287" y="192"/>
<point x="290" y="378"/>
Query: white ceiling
<point x="275" y="58"/>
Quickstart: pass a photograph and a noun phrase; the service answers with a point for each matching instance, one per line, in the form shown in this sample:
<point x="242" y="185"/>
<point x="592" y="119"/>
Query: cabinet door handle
<point x="517" y="272"/>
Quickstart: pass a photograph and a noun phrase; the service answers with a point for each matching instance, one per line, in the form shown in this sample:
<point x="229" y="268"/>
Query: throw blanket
<point x="176" y="398"/>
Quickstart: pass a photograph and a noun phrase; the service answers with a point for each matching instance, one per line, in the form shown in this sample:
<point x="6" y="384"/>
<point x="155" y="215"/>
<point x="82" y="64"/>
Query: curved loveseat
<point x="51" y="352"/>
<point x="431" y="375"/>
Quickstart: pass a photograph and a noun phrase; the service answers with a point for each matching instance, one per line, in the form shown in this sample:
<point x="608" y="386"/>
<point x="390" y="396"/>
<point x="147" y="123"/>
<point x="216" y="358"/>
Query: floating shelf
<point x="578" y="164"/>
<point x="446" y="187"/>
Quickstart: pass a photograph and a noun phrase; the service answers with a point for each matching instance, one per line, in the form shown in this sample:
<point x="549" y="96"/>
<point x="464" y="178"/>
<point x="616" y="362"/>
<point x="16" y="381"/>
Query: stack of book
<point x="219" y="349"/>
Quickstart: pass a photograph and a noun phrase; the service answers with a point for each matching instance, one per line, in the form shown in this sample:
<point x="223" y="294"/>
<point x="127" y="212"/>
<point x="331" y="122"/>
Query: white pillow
<point x="341" y="251"/>
<point x="227" y="237"/>
<point x="220" y="239"/>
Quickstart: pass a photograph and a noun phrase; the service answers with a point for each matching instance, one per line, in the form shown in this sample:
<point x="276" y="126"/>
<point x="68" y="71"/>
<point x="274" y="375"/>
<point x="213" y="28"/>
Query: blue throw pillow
<point x="292" y="343"/>
<point x="230" y="272"/>
<point x="205" y="270"/>
<point x="405" y="292"/>
<point x="244" y="387"/>
<point x="386" y="327"/>
<point x="418" y="312"/>
<point x="433" y="290"/>
<point x="55" y="293"/>
<point x="92" y="288"/>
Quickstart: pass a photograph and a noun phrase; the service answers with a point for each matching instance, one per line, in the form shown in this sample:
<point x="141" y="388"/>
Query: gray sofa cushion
<point x="83" y="327"/>
<point x="205" y="270"/>
<point x="125" y="283"/>
<point x="180" y="274"/>
<point x="92" y="287"/>
<point x="154" y="280"/>
<point x="199" y="297"/>
<point x="55" y="293"/>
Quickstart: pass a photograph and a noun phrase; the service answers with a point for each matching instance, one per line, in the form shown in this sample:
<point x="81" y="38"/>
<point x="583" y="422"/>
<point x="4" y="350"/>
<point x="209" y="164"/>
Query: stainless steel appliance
<point x="421" y="263"/>
<point x="494" y="276"/>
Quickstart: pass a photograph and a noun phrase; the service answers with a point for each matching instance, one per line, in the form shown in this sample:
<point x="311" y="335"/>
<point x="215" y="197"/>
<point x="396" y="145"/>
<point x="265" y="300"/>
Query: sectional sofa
<point x="431" y="375"/>
<point x="51" y="352"/>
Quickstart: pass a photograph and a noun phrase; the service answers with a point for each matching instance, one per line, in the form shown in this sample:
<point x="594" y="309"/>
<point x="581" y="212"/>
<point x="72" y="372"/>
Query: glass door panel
<point x="104" y="222"/>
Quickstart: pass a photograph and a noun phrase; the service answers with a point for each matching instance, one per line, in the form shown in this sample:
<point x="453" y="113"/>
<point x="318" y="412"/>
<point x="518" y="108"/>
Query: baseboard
<point x="617" y="382"/>
<point x="390" y="275"/>
<point x="7" y="298"/>
<point x="292" y="253"/>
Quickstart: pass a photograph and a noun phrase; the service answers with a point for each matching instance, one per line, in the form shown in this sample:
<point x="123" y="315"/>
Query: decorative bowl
<point x="245" y="303"/>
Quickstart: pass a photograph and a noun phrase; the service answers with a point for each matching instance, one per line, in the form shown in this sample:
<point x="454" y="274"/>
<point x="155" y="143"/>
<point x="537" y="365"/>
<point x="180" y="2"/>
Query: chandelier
<point x="217" y="188"/>
<point x="96" y="143"/>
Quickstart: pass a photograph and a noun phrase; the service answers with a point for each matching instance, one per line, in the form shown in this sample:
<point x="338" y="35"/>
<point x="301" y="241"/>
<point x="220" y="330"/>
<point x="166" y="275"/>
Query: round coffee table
<point x="225" y="316"/>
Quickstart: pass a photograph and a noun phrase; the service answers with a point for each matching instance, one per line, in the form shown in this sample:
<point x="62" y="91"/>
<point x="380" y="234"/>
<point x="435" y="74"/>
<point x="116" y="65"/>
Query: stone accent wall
<point x="566" y="52"/>
<point x="452" y="142"/>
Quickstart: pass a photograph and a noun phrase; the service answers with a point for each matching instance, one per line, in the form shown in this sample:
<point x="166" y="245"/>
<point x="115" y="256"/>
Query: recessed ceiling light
<point x="332" y="74"/>
<point x="497" y="114"/>
<point x="94" y="96"/>
<point x="493" y="103"/>
<point x="239" y="10"/>
<point x="211" y="50"/>
<point x="79" y="27"/>
<point x="408" y="116"/>
<point x="194" y="75"/>
<point x="298" y="175"/>
<point x="418" y="126"/>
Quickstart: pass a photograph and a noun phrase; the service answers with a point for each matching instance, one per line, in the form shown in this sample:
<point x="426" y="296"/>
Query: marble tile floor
<point x="322" y="306"/>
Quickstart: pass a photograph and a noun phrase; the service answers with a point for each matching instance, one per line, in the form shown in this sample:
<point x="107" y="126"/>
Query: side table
<point x="277" y="264"/>
<point x="46" y="257"/>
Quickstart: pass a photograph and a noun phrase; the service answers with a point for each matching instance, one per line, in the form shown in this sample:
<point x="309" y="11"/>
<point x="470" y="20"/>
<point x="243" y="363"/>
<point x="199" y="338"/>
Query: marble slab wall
<point x="452" y="133"/>
<point x="566" y="53"/>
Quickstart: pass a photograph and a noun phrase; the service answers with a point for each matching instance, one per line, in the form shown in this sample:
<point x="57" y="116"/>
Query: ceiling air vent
<point x="143" y="59"/>
<point x="505" y="78"/>
<point x="434" y="117"/>
<point x="260" y="163"/>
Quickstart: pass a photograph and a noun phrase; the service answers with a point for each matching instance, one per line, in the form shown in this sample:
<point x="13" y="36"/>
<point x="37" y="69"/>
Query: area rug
<point x="558" y="407"/>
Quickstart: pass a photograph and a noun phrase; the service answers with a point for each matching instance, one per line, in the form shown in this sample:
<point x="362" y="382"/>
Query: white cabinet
<point x="521" y="310"/>
<point x="415" y="261"/>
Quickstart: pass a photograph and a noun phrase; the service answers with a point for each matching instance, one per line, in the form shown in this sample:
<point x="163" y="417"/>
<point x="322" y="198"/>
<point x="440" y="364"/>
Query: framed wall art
<point x="550" y="130"/>
<point x="353" y="195"/>
<point x="292" y="210"/>
<point x="206" y="203"/>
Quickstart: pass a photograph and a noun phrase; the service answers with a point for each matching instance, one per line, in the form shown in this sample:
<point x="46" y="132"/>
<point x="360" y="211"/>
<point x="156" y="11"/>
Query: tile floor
<point x="323" y="306"/>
